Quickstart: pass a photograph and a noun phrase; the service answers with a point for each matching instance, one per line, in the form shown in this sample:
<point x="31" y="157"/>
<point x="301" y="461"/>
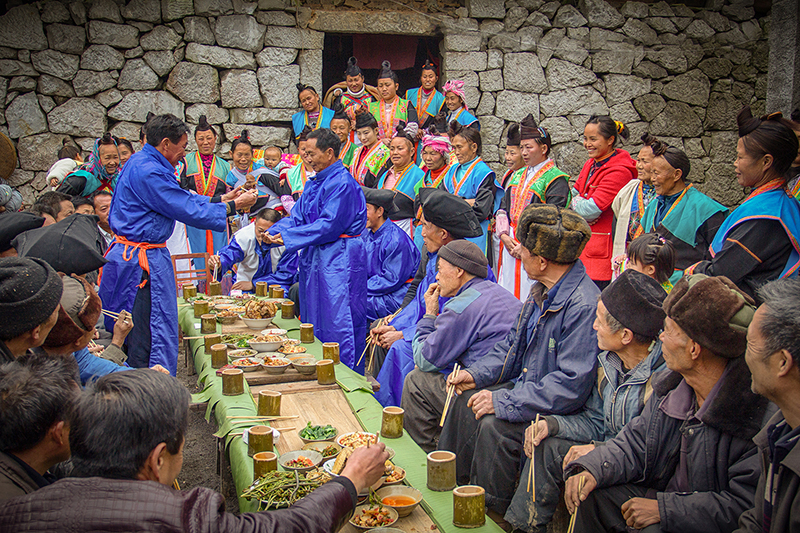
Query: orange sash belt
<point x="142" y="247"/>
<point x="345" y="236"/>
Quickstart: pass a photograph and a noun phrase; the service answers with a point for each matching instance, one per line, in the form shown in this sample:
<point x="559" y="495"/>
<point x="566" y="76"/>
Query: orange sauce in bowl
<point x="398" y="501"/>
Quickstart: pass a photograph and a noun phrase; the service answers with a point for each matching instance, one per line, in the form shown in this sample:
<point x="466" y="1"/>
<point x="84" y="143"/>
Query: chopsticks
<point x="240" y="433"/>
<point x="111" y="314"/>
<point x="175" y="485"/>
<point x="287" y="417"/>
<point x="571" y="528"/>
<point x="450" y="390"/>
<point x="531" y="474"/>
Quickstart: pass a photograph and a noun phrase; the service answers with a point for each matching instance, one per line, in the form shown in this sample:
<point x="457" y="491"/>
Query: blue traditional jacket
<point x="300" y="120"/>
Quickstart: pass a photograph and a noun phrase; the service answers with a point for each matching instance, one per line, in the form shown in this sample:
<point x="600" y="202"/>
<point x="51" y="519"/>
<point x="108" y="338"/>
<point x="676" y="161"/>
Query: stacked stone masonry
<point x="80" y="68"/>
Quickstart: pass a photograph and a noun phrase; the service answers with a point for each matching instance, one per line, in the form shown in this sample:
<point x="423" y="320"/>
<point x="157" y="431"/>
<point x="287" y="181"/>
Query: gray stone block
<point x="146" y="10"/>
<point x="569" y="17"/>
<point x="118" y="35"/>
<point x="475" y="61"/>
<point x="21" y="27"/>
<point x="640" y="31"/>
<point x="494" y="59"/>
<point x="106" y="98"/>
<point x="282" y="37"/>
<point x="260" y="135"/>
<point x="491" y="80"/>
<point x="137" y="76"/>
<point x="678" y="120"/>
<point x="560" y="129"/>
<point x="669" y="57"/>
<point x="213" y="113"/>
<point x="514" y="106"/>
<point x="600" y="13"/>
<point x="571" y="50"/>
<point x="661" y="24"/>
<point x="198" y="30"/>
<point x="83" y="117"/>
<point x="176" y="9"/>
<point x="161" y="61"/>
<point x="721" y="112"/>
<point x="278" y="85"/>
<point x="106" y="10"/>
<point x="69" y="39"/>
<point x="699" y="30"/>
<point x="135" y="105"/>
<point x="25" y="117"/>
<point x="515" y="17"/>
<point x="649" y="106"/>
<point x="22" y="84"/>
<point x="624" y="88"/>
<point x="276" y="18"/>
<point x="89" y="82"/>
<point x="54" y="11"/>
<point x="161" y="38"/>
<point x="239" y="88"/>
<point x="563" y="75"/>
<point x="310" y="62"/>
<point x="220" y="57"/>
<point x="522" y="72"/>
<point x="463" y="42"/>
<point x="574" y="101"/>
<point x="54" y="86"/>
<point x="254" y="115"/>
<point x="102" y="57"/>
<point x="239" y="31"/>
<point x="133" y="53"/>
<point x="692" y="87"/>
<point x="638" y="10"/>
<point x="38" y="152"/>
<point x="194" y="83"/>
<point x="213" y="8"/>
<point x="273" y="57"/>
<point x="56" y="64"/>
<point x="486" y="9"/>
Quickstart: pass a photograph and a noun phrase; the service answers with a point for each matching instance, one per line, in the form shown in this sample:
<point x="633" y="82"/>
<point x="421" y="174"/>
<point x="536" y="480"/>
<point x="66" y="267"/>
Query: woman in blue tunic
<point x="427" y="101"/>
<point x="455" y="101"/>
<point x="472" y="179"/>
<point x="249" y="174"/>
<point x="138" y="276"/>
<point x="99" y="173"/>
<point x="314" y="115"/>
<point x="403" y="177"/>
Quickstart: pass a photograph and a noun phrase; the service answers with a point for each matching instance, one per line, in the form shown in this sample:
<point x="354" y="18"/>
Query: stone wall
<point x="77" y="69"/>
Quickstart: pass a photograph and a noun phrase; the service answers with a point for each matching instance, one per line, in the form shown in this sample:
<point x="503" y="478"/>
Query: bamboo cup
<point x="214" y="288"/>
<point x="307" y="333"/>
<point x="259" y="439"/>
<point x="200" y="308"/>
<point x="211" y="340"/>
<point x="208" y="323"/>
<point x="326" y="373"/>
<point x="264" y="462"/>
<point x="441" y="471"/>
<point x="269" y="403"/>
<point x="189" y="291"/>
<point x="469" y="504"/>
<point x="330" y="350"/>
<point x="392" y="423"/>
<point x="272" y="289"/>
<point x="232" y="382"/>
<point x="278" y="292"/>
<point x="287" y="309"/>
<point x="219" y="355"/>
<point x="261" y="288"/>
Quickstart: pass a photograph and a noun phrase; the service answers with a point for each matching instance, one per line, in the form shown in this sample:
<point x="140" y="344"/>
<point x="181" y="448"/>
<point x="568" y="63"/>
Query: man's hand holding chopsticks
<point x="463" y="381"/>
<point x="534" y="435"/>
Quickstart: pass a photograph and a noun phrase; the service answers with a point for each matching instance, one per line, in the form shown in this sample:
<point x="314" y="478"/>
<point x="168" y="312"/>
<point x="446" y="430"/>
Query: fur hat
<point x="552" y="232"/>
<point x="634" y="300"/>
<point x="713" y="312"/>
<point x="78" y="313"/>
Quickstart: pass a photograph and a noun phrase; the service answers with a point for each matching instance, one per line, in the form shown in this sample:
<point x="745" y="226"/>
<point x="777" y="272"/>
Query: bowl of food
<point x="266" y="343"/>
<point x="256" y="323"/>
<point x="248" y="364"/>
<point x="275" y="365"/>
<point x="305" y="365"/>
<point x="291" y="349"/>
<point x="372" y="516"/>
<point x="227" y="317"/>
<point x="274" y="331"/>
<point x="312" y="433"/>
<point x="222" y="300"/>
<point x="237" y="340"/>
<point x="292" y="342"/>
<point x="241" y="352"/>
<point x="260" y="309"/>
<point x="328" y="450"/>
<point x="395" y="476"/>
<point x="356" y="439"/>
<point x="400" y="498"/>
<point x="300" y="460"/>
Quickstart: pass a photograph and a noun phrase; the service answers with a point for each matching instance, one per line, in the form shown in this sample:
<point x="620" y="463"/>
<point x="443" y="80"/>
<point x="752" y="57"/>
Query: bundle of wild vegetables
<point x="281" y="489"/>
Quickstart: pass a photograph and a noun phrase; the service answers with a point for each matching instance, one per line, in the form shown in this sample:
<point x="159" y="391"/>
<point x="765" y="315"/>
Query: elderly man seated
<point x="629" y="319"/>
<point x="475" y="318"/>
<point x="36" y="394"/>
<point x="545" y="365"/>
<point x="127" y="433"/>
<point x="773" y="351"/>
<point x="688" y="463"/>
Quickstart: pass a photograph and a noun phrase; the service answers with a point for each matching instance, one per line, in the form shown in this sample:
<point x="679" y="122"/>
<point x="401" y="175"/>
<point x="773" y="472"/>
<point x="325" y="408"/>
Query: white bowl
<point x="265" y="346"/>
<point x="256" y="323"/>
<point x="274" y="331"/>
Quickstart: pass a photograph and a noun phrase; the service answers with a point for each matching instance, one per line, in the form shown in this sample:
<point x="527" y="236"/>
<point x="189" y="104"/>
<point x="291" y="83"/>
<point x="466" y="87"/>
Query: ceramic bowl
<point x="400" y="490"/>
<point x="274" y="368"/>
<point x="315" y="458"/>
<point x="257" y="323"/>
<point x="240" y="363"/>
<point x="319" y="446"/>
<point x="305" y="365"/>
<point x="265" y="346"/>
<point x="326" y="441"/>
<point x="274" y="331"/>
<point x="393" y="516"/>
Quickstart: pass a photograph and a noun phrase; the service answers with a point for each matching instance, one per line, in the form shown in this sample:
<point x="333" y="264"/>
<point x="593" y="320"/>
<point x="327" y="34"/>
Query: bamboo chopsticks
<point x="111" y="314"/>
<point x="571" y="528"/>
<point x="254" y="417"/>
<point x="450" y="390"/>
<point x="531" y="474"/>
<point x="175" y="485"/>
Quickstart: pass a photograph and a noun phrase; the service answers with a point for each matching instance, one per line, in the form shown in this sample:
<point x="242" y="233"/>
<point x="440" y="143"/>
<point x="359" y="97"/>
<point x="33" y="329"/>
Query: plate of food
<point x="242" y="352"/>
<point x="371" y="516"/>
<point x="356" y="439"/>
<point x="222" y="300"/>
<point x="248" y="364"/>
<point x="275" y="365"/>
<point x="300" y="460"/>
<point x="275" y="331"/>
<point x="278" y="489"/>
<point x="328" y="450"/>
<point x="237" y="340"/>
<point x="395" y="474"/>
<point x="312" y="433"/>
<point x="289" y="349"/>
<point x="292" y="342"/>
<point x="267" y="343"/>
<point x="227" y="317"/>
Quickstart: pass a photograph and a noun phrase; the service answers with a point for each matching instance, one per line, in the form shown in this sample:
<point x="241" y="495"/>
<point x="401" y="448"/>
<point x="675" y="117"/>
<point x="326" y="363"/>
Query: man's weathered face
<point x="318" y="159"/>
<point x="102" y="204"/>
<point x="374" y="216"/>
<point x="606" y="338"/>
<point x="757" y="357"/>
<point x="85" y="209"/>
<point x="67" y="209"/>
<point x="261" y="228"/>
<point x="676" y="346"/>
<point x="432" y="235"/>
<point x="174" y="152"/>
<point x="448" y="279"/>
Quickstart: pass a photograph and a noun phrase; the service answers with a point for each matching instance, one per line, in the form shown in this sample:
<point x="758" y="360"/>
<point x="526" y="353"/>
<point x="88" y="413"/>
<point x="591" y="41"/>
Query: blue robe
<point x="324" y="226"/>
<point x="465" y="118"/>
<point x="392" y="260"/>
<point x="454" y="183"/>
<point x="400" y="357"/>
<point x="299" y="120"/>
<point x="146" y="203"/>
<point x="424" y="114"/>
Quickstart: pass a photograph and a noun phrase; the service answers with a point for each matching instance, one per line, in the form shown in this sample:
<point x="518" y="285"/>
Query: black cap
<point x="30" y="290"/>
<point x="635" y="300"/>
<point x="449" y="212"/>
<point x="12" y="224"/>
<point x="72" y="246"/>
<point x="380" y="198"/>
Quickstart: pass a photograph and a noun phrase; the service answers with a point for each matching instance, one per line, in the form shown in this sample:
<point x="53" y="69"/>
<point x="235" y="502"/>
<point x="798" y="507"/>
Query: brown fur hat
<point x="552" y="232"/>
<point x="78" y="313"/>
<point x="713" y="312"/>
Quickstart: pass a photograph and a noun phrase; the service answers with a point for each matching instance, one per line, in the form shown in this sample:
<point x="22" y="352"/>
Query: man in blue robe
<point x="392" y="258"/>
<point x="138" y="276"/>
<point x="324" y="227"/>
<point x="445" y="217"/>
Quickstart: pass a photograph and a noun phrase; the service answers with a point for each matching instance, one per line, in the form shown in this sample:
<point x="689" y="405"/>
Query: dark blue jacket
<point x="554" y="374"/>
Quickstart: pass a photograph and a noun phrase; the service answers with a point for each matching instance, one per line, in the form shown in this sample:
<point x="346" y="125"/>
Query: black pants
<point x="601" y="511"/>
<point x="139" y="340"/>
<point x="487" y="451"/>
<point x="424" y="394"/>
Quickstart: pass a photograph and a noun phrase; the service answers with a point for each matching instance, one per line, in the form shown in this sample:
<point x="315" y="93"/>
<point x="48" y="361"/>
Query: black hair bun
<point x="202" y="121"/>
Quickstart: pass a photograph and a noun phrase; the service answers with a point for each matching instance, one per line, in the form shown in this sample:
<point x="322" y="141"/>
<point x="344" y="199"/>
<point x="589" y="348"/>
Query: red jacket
<point x="603" y="188"/>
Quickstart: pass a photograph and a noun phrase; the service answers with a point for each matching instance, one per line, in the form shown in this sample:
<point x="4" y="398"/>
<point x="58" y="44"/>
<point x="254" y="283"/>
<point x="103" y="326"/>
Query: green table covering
<point x="358" y="392"/>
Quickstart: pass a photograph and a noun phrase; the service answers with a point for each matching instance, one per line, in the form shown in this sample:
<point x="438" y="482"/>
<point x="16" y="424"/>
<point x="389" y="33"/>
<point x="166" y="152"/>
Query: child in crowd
<point x="651" y="255"/>
<point x="69" y="158"/>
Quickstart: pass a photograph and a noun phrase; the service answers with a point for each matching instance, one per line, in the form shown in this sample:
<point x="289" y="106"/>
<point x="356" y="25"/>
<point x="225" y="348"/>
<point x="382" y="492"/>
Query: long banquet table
<point x="349" y="406"/>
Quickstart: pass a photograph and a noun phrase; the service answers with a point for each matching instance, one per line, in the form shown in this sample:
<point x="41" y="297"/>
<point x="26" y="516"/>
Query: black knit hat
<point x="449" y="212"/>
<point x="380" y="198"/>
<point x="634" y="300"/>
<point x="30" y="290"/>
<point x="466" y="255"/>
<point x="713" y="312"/>
<point x="552" y="232"/>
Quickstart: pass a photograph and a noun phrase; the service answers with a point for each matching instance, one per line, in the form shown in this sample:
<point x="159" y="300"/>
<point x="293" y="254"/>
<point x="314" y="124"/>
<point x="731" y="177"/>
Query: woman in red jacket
<point x="604" y="174"/>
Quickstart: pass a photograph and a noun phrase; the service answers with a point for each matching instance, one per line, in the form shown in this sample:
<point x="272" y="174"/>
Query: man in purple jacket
<point x="478" y="314"/>
<point x="546" y="363"/>
<point x="126" y="435"/>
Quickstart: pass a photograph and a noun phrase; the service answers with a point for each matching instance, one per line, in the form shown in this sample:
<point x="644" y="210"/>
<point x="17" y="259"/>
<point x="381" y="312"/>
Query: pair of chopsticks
<point x="111" y="314"/>
<point x="571" y="528"/>
<point x="450" y="390"/>
<point x="287" y="417"/>
<point x="240" y="433"/>
<point x="381" y="322"/>
<point x="531" y="474"/>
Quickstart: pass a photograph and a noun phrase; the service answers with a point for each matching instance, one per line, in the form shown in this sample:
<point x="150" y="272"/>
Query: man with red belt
<point x="139" y="277"/>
